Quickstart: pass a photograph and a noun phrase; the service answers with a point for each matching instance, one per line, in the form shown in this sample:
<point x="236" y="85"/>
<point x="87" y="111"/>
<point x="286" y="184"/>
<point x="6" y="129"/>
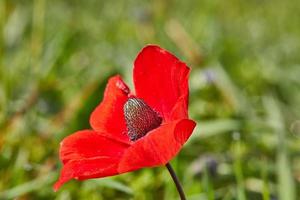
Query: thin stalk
<point x="176" y="181"/>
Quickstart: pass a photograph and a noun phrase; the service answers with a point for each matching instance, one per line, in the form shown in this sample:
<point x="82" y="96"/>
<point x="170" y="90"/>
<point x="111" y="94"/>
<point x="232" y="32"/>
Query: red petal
<point x="158" y="147"/>
<point x="162" y="80"/>
<point x="85" y="169"/>
<point x="87" y="154"/>
<point x="108" y="117"/>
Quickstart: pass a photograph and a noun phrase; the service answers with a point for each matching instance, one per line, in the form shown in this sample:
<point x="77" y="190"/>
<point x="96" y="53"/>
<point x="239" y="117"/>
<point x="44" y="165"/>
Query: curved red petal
<point x="108" y="117"/>
<point x="86" y="169"/>
<point x="161" y="80"/>
<point x="88" y="154"/>
<point x="180" y="108"/>
<point x="158" y="147"/>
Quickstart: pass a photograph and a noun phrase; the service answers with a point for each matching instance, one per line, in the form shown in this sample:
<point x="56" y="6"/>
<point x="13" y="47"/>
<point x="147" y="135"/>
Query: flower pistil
<point x="140" y="118"/>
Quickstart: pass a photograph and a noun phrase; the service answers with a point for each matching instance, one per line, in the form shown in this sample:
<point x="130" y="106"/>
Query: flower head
<point x="133" y="130"/>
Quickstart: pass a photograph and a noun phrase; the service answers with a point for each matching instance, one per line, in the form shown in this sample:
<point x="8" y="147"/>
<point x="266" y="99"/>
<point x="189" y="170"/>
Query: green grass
<point x="55" y="59"/>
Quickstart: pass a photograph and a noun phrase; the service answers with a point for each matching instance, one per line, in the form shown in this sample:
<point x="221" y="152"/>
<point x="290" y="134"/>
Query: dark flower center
<point x="140" y="118"/>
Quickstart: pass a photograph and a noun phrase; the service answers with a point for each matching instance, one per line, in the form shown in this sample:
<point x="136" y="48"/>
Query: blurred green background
<point x="56" y="57"/>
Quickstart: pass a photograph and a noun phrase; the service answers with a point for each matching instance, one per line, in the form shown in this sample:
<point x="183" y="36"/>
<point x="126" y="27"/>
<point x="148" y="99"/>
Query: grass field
<point x="56" y="57"/>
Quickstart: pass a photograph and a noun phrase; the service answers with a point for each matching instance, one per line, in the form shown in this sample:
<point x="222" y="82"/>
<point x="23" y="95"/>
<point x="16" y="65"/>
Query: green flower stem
<point x="176" y="181"/>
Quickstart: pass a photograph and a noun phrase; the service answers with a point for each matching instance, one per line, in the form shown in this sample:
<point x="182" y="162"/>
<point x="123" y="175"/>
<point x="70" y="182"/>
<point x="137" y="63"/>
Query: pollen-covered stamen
<point x="140" y="118"/>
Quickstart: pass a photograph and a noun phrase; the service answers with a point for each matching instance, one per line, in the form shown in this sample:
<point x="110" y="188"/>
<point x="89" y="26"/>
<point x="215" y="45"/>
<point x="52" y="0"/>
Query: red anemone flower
<point x="133" y="130"/>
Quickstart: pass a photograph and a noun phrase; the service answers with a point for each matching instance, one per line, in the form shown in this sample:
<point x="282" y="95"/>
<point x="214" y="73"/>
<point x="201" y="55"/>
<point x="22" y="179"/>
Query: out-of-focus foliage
<point x="56" y="56"/>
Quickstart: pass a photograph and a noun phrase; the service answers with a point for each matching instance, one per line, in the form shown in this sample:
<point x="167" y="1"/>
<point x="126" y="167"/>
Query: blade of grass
<point x="209" y="190"/>
<point x="110" y="183"/>
<point x="286" y="184"/>
<point x="29" y="186"/>
<point x="211" y="128"/>
<point x="237" y="167"/>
